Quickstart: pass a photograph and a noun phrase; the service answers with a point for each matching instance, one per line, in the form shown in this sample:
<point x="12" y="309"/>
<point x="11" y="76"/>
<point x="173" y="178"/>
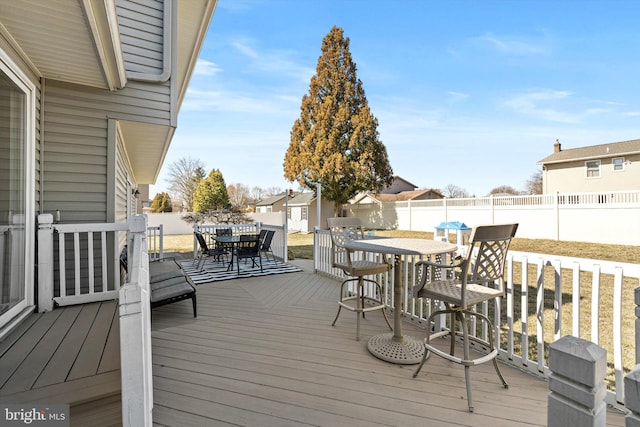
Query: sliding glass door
<point x="16" y="217"/>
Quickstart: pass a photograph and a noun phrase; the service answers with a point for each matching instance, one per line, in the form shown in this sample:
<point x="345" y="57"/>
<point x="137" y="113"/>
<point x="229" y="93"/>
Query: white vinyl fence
<point x="581" y="217"/>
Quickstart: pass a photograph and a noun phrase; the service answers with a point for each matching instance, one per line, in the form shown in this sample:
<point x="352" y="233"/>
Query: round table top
<point x="401" y="246"/>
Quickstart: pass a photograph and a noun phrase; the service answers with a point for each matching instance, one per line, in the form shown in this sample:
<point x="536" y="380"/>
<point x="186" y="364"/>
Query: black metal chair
<point x="266" y="237"/>
<point x="475" y="279"/>
<point x="204" y="250"/>
<point x="248" y="248"/>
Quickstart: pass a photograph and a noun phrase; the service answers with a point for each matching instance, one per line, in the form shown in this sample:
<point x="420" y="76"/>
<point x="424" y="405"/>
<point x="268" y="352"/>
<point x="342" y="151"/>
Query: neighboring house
<point x="606" y="167"/>
<point x="399" y="197"/>
<point x="398" y="185"/>
<point x="273" y="203"/>
<point x="302" y="212"/>
<point x="89" y="98"/>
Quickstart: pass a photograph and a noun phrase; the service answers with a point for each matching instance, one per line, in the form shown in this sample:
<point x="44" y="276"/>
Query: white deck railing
<point x="543" y="292"/>
<point x="155" y="238"/>
<point x="81" y="262"/>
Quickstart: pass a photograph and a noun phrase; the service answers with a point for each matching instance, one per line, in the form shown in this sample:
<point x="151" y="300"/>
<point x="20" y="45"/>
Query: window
<point x="305" y="213"/>
<point x="593" y="169"/>
<point x="618" y="164"/>
<point x="289" y="213"/>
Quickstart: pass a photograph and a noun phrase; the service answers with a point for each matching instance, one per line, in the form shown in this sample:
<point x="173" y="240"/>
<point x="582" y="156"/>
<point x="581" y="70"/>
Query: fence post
<point x="578" y="368"/>
<point x="632" y="396"/>
<point x="45" y="262"/>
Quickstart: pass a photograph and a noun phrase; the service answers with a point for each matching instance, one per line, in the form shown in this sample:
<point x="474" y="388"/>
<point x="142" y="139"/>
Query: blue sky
<point x="470" y="93"/>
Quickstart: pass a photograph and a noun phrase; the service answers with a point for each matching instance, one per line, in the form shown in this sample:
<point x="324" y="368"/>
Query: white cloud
<point x="543" y="105"/>
<point x="206" y="68"/>
<point x="513" y="46"/>
<point x="279" y="63"/>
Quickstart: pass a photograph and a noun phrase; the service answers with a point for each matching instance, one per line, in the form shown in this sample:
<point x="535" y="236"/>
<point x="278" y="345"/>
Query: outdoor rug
<point x="213" y="271"/>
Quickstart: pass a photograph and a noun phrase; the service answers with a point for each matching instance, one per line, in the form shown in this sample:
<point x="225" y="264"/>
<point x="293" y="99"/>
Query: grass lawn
<point x="301" y="246"/>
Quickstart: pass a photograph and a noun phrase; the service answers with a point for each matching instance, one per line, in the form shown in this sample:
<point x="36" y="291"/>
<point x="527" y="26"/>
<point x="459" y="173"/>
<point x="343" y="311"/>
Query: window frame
<point x="588" y="169"/>
<point x="614" y="165"/>
<point x="13" y="72"/>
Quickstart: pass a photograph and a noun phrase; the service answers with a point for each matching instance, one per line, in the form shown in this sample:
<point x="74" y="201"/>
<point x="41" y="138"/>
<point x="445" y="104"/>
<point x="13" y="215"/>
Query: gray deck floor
<point x="70" y="354"/>
<point x="262" y="352"/>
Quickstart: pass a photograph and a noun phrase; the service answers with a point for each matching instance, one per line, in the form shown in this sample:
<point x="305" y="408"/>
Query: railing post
<point x="135" y="327"/>
<point x="632" y="396"/>
<point x="578" y="368"/>
<point x="45" y="262"/>
<point x="636" y="297"/>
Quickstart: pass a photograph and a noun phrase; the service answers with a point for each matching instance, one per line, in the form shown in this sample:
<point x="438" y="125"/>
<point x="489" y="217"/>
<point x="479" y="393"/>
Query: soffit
<point x="55" y="38"/>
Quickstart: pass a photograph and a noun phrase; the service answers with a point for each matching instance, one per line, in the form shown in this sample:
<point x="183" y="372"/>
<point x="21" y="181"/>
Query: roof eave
<point x="102" y="19"/>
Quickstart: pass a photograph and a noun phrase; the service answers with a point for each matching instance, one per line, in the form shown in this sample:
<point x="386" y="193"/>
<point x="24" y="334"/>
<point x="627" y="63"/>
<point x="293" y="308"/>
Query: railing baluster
<point x="617" y="334"/>
<point x="575" y="300"/>
<point x="540" y="315"/>
<point x="76" y="261"/>
<point x="524" y="311"/>
<point x="61" y="266"/>
<point x="595" y="305"/>
<point x="90" y="256"/>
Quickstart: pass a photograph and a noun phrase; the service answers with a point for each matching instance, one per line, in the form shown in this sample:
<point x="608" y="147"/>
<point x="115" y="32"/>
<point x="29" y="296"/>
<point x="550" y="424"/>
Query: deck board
<point x="263" y="352"/>
<point x="38" y="356"/>
<point x="90" y="354"/>
<point x="60" y="364"/>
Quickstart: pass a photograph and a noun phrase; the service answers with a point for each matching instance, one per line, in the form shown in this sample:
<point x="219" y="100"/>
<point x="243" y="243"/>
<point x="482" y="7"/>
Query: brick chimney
<point x="556" y="147"/>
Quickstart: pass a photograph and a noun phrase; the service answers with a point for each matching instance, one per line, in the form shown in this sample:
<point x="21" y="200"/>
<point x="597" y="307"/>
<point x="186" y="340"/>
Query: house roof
<point x="402" y="196"/>
<point x="269" y="201"/>
<point x="614" y="149"/>
<point x="302" y="199"/>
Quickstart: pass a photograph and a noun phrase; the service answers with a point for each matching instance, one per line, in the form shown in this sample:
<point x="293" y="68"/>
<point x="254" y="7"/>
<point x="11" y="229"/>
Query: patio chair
<point x="356" y="268"/>
<point x="248" y="248"/>
<point x="476" y="278"/>
<point x="204" y="251"/>
<point x="266" y="236"/>
<point x="223" y="248"/>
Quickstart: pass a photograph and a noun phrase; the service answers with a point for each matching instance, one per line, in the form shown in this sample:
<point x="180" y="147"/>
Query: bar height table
<point x="396" y="347"/>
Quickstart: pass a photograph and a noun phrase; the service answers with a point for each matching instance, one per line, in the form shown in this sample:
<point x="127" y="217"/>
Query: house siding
<point x="141" y="24"/>
<point x="571" y="177"/>
<point x="76" y="143"/>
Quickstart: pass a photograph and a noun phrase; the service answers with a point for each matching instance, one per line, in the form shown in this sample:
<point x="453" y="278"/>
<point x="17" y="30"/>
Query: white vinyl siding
<point x="141" y="24"/>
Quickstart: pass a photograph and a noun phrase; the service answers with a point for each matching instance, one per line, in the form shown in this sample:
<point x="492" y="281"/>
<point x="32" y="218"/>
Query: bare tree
<point x="505" y="189"/>
<point x="239" y="195"/>
<point x="534" y="183"/>
<point x="184" y="176"/>
<point x="452" y="191"/>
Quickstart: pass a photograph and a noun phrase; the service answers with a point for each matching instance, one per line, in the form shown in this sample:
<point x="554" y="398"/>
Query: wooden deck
<point x="68" y="355"/>
<point x="262" y="352"/>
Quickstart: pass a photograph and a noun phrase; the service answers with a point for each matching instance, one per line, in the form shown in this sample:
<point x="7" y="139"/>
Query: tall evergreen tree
<point x="211" y="193"/>
<point x="335" y="140"/>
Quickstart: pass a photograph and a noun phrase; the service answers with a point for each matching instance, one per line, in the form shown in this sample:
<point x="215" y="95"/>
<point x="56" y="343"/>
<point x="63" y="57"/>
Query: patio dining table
<point x="396" y="347"/>
<point x="233" y="241"/>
